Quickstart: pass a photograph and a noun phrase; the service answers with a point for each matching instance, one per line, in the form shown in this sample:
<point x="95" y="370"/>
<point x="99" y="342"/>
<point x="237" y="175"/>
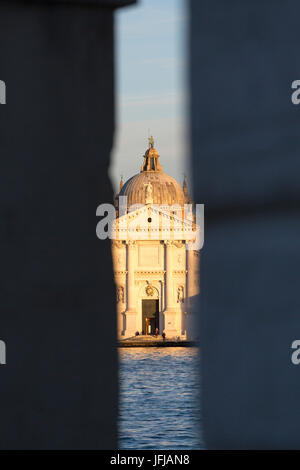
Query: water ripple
<point x="159" y="399"/>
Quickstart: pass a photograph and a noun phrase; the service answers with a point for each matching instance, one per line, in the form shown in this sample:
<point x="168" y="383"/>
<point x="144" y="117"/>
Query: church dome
<point x="164" y="189"/>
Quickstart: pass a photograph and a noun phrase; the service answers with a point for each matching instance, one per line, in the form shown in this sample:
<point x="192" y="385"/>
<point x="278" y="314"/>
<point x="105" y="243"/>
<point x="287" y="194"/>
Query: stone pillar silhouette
<point x="58" y="389"/>
<point x="246" y="147"/>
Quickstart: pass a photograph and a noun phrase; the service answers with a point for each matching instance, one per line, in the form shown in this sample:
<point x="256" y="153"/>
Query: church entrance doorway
<point x="150" y="316"/>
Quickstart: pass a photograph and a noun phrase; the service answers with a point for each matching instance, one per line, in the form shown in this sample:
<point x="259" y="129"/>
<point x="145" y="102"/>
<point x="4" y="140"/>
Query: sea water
<point x="159" y="398"/>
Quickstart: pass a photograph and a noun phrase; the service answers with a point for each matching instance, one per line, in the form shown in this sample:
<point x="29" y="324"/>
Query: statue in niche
<point x="120" y="294"/>
<point x="180" y="294"/>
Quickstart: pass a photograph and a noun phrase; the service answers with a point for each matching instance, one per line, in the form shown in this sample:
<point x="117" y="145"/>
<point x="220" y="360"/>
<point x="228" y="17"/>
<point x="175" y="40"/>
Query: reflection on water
<point x="159" y="398"/>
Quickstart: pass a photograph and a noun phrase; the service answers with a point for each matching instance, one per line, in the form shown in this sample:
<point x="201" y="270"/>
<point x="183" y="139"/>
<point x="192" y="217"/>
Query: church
<point x="155" y="266"/>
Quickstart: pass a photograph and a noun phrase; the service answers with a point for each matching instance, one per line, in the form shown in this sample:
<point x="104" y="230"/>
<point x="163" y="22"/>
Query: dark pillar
<point x="59" y="387"/>
<point x="246" y="166"/>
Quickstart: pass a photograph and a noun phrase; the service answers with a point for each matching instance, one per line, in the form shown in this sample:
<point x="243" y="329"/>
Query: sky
<point x="150" y="87"/>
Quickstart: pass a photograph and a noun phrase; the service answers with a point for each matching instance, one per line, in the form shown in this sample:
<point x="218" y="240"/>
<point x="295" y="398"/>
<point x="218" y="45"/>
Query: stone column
<point x="191" y="293"/>
<point x="170" y="312"/>
<point x="190" y="277"/>
<point x="131" y="312"/>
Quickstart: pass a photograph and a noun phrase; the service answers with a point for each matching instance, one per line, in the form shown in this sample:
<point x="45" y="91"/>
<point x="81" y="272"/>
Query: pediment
<point x="154" y="222"/>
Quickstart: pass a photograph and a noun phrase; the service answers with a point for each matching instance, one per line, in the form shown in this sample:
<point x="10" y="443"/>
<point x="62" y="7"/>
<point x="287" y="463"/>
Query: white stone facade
<point x="154" y="270"/>
<point x="156" y="276"/>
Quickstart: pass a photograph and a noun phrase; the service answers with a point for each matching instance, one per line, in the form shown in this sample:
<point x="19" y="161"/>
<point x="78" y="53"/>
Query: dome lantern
<point x="151" y="162"/>
<point x="152" y="184"/>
